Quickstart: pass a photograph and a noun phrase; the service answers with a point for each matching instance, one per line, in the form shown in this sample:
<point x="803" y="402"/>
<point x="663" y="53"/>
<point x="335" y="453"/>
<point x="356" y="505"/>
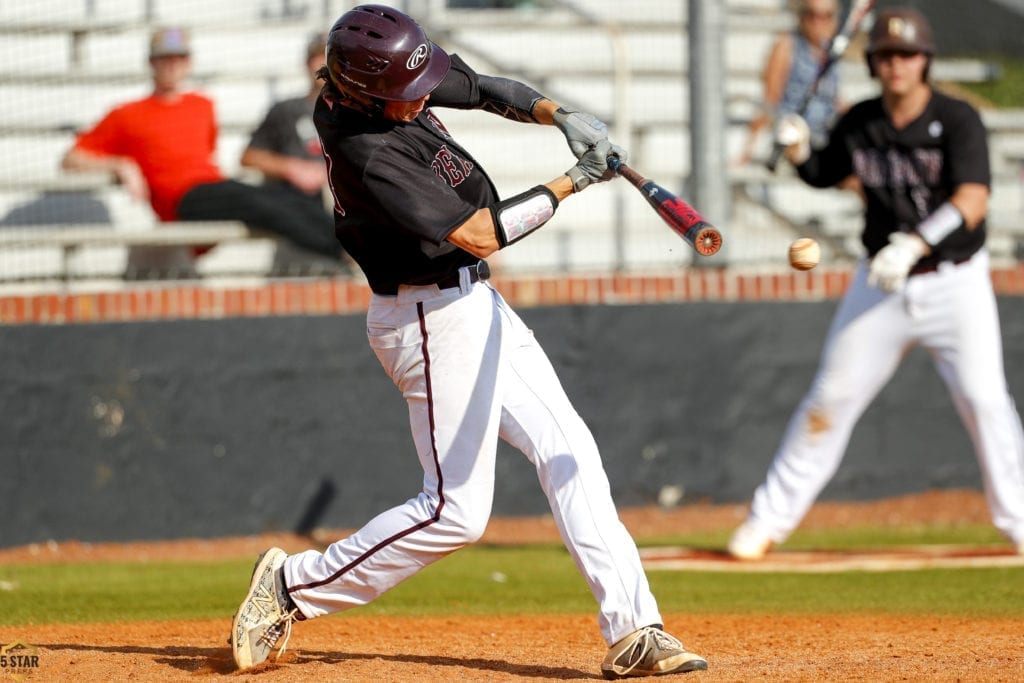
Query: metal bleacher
<point x="64" y="63"/>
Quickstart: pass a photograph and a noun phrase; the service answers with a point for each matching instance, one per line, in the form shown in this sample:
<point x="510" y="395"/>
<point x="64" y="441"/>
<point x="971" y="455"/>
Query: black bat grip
<point x="773" y="159"/>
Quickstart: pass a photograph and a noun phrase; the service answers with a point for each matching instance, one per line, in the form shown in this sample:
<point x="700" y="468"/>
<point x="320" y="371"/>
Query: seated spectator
<point x="789" y="73"/>
<point x="162" y="148"/>
<point x="285" y="147"/>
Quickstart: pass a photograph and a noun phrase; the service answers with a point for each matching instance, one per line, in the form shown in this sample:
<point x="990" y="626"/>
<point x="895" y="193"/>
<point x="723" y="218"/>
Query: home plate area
<point x="823" y="561"/>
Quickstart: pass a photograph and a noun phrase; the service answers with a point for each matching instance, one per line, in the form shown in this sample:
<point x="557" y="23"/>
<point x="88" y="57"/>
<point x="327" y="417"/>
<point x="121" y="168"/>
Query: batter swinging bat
<point x="679" y="215"/>
<point x="836" y="47"/>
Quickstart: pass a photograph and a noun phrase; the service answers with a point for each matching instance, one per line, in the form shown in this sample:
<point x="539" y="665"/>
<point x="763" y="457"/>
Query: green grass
<point x="854" y="537"/>
<point x="531" y="579"/>
<point x="1007" y="91"/>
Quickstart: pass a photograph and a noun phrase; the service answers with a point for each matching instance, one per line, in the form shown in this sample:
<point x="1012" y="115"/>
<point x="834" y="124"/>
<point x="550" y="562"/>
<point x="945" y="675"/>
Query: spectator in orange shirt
<point x="162" y="148"/>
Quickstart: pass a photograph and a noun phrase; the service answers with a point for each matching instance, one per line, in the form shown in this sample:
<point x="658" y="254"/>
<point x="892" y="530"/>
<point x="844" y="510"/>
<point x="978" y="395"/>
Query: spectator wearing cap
<point x="162" y="148"/>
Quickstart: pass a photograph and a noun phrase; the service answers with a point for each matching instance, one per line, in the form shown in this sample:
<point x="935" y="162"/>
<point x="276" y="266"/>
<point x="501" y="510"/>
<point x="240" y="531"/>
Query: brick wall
<point x="168" y="301"/>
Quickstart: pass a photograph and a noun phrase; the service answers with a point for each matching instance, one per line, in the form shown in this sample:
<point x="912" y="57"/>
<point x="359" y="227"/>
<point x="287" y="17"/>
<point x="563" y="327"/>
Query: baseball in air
<point x="804" y="253"/>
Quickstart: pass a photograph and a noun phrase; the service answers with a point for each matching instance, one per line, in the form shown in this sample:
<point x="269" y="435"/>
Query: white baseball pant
<point x="950" y="312"/>
<point x="472" y="372"/>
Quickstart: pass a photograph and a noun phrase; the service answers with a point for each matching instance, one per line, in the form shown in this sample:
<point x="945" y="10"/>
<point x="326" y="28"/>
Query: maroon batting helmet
<point x="382" y="53"/>
<point x="900" y="30"/>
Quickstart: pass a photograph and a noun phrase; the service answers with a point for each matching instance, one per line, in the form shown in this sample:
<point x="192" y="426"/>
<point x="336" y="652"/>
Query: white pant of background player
<point x="472" y="372"/>
<point x="950" y="312"/>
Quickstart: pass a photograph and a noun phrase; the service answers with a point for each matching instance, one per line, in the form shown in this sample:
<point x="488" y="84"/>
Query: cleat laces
<point x="652" y="639"/>
<point x="282" y="626"/>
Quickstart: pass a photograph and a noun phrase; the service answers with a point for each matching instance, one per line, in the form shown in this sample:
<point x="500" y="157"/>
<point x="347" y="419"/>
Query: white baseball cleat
<point x="749" y="542"/>
<point x="265" y="615"/>
<point x="649" y="651"/>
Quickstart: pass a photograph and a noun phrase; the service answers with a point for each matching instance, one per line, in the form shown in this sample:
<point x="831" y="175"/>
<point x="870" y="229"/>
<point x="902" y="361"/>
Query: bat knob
<point x="614" y="163"/>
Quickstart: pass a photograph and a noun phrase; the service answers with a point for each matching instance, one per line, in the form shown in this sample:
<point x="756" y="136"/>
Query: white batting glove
<point x="794" y="136"/>
<point x="891" y="266"/>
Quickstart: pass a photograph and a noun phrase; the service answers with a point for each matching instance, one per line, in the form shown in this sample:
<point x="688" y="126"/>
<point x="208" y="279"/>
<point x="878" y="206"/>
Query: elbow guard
<point x="518" y="216"/>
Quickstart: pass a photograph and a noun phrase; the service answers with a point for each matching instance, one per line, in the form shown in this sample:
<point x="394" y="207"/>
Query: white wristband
<point x="940" y="224"/>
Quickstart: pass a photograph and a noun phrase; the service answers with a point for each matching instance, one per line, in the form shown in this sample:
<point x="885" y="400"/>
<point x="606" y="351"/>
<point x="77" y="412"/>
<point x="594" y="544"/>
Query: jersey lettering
<point x="895" y="168"/>
<point x="451" y="168"/>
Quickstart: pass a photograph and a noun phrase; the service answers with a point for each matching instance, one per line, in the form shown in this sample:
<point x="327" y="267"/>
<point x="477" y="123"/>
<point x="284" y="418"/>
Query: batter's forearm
<point x="561" y="187"/>
<point x="544" y="111"/>
<point x="484" y="232"/>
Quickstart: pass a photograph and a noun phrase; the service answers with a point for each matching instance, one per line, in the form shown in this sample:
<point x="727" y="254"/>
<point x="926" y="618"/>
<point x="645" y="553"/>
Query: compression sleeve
<point x="463" y="88"/>
<point x="509" y="99"/>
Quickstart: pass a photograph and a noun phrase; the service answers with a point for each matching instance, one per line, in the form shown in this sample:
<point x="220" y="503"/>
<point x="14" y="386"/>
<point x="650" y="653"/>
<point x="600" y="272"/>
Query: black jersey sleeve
<point x="463" y="88"/>
<point x="413" y="196"/>
<point x="966" y="146"/>
<point x="832" y="163"/>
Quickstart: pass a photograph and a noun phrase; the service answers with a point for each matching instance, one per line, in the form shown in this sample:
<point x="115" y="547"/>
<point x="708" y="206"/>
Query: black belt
<point x="934" y="266"/>
<point x="477" y="272"/>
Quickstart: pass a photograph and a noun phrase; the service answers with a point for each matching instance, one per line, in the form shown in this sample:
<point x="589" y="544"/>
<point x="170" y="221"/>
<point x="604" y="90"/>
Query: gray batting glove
<point x="593" y="165"/>
<point x="582" y="131"/>
<point x="891" y="265"/>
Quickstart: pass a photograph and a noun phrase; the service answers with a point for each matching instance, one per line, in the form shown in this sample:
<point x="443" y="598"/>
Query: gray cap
<point x="169" y="41"/>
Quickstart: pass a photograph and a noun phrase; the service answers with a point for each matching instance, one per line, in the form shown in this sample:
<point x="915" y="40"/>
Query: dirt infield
<point x="339" y="648"/>
<point x="537" y="648"/>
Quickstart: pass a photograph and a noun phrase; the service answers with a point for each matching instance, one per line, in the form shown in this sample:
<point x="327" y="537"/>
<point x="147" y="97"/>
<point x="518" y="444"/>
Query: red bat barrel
<point x="677" y="214"/>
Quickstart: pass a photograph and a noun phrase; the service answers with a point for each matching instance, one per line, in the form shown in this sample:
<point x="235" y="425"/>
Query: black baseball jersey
<point x="907" y="174"/>
<point x="401" y="188"/>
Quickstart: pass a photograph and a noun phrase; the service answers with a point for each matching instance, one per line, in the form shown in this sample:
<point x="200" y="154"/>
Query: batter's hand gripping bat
<point x="836" y="47"/>
<point x="679" y="215"/>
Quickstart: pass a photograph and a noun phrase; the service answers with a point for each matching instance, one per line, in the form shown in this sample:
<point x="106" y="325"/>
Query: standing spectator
<point x="792" y="65"/>
<point x="162" y="147"/>
<point x="922" y="160"/>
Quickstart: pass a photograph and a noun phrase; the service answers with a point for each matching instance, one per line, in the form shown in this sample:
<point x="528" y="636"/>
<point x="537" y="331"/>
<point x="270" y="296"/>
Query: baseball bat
<point x="836" y="48"/>
<point x="679" y="215"/>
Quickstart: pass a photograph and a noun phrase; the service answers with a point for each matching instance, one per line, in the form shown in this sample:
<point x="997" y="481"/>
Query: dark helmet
<point x="901" y="30"/>
<point x="382" y="53"/>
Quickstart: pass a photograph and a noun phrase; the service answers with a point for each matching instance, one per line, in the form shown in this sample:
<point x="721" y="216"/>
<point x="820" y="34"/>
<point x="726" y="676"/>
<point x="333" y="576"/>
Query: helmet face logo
<point x="418" y="56"/>
<point x="901" y="28"/>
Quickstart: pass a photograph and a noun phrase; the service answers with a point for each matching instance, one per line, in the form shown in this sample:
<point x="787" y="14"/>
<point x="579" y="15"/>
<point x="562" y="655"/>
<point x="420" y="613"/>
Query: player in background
<point x="419" y="214"/>
<point x="922" y="160"/>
